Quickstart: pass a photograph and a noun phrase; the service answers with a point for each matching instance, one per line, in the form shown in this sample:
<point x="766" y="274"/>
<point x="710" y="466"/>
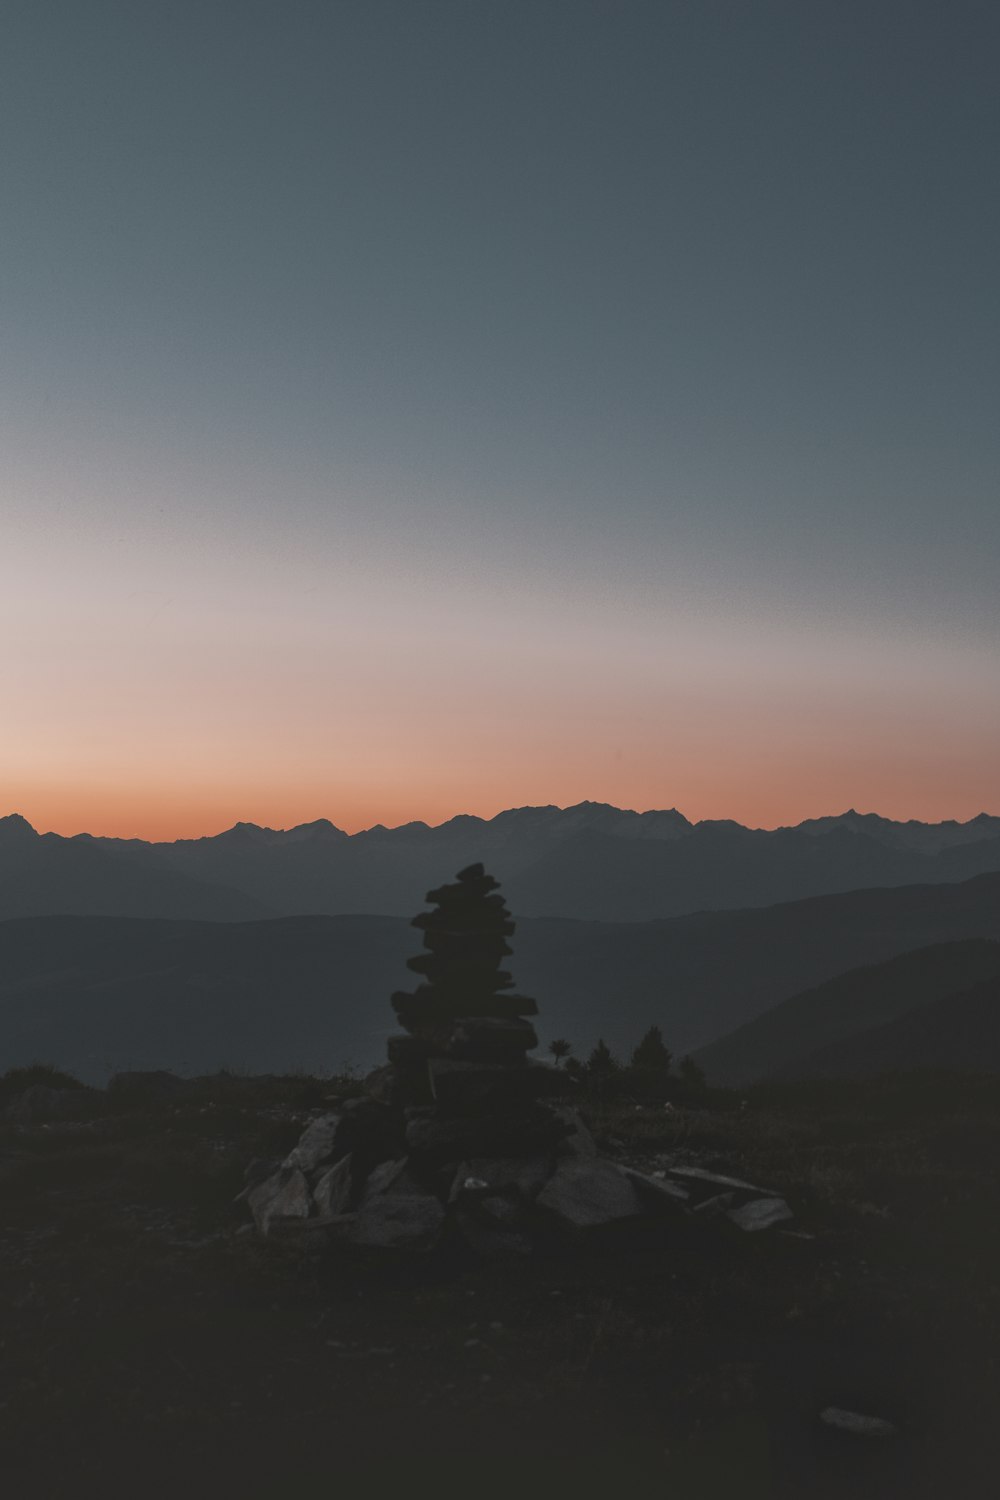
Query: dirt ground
<point x="149" y="1347"/>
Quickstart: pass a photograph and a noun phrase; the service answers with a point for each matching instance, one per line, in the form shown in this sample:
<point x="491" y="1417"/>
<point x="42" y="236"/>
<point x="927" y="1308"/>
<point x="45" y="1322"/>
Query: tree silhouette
<point x="652" y="1054"/>
<point x="559" y="1049"/>
<point x="692" y="1076"/>
<point x="601" y="1062"/>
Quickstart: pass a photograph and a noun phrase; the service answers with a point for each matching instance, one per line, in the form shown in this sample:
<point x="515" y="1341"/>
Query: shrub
<point x="16" y="1080"/>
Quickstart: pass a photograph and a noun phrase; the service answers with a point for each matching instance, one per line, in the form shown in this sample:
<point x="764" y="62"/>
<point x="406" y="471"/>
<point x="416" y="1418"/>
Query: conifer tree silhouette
<point x="652" y="1053"/>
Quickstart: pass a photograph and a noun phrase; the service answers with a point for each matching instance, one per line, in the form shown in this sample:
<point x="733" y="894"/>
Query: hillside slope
<point x="96" y="995"/>
<point x="959" y="1031"/>
<point x="781" y="1040"/>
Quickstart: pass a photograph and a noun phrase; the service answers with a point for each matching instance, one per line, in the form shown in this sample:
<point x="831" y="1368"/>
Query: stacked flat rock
<point x="466" y="942"/>
<point x="455" y="1135"/>
<point x="466" y="1039"/>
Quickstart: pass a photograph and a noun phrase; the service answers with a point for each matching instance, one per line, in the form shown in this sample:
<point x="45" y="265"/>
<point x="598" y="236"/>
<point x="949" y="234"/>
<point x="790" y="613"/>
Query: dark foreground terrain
<point x="149" y="1347"/>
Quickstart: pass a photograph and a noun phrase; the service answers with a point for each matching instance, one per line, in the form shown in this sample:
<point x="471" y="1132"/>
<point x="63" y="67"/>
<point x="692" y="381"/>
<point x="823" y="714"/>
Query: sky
<point x="440" y="406"/>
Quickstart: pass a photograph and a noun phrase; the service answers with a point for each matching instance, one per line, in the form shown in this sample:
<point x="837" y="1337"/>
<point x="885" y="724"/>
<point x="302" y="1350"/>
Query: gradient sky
<point x="423" y="407"/>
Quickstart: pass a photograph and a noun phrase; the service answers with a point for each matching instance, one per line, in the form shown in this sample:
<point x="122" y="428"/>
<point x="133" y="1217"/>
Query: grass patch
<point x="143" y="1333"/>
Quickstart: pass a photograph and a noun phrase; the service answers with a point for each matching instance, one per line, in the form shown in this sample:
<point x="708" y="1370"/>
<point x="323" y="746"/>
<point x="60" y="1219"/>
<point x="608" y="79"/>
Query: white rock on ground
<point x="332" y="1193"/>
<point x="716" y="1178"/>
<point x="658" y="1190"/>
<point x="857" y="1424"/>
<point x="760" y="1213"/>
<point x="283" y="1196"/>
<point x="585" y="1192"/>
<point x="316" y="1143"/>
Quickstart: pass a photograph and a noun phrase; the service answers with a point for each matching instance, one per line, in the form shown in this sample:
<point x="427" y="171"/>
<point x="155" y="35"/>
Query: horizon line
<point x="15" y="816"/>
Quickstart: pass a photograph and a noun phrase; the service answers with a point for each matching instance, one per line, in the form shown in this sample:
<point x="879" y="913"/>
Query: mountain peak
<point x="246" y="831"/>
<point x="14" y="827"/>
<point x="320" y="830"/>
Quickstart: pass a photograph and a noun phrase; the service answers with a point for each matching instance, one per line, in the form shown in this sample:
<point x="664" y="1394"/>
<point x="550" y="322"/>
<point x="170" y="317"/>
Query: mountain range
<point x="99" y="994"/>
<point x="591" y="861"/>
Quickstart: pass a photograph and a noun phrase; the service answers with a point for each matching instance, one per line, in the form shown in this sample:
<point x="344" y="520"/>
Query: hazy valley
<point x="122" y="955"/>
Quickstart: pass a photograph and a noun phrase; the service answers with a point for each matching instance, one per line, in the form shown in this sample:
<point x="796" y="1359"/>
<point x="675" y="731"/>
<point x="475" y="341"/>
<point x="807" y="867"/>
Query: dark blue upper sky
<point x="685" y="313"/>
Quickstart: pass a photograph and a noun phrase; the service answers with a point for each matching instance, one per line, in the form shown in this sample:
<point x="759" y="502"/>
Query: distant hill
<point x="43" y="873"/>
<point x="926" y="838"/>
<point x="95" y="995"/>
<point x="720" y="866"/>
<point x="591" y="861"/>
<point x="960" y="1031"/>
<point x="789" y="1039"/>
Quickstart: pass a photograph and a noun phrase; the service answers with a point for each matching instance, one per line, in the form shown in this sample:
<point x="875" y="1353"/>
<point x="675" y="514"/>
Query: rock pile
<point x="463" y="1058"/>
<point x="461" y="1134"/>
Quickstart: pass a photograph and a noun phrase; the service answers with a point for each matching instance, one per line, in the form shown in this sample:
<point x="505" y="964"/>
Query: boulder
<point x="857" y="1423"/>
<point x="656" y="1192"/>
<point x="584" y="1192"/>
<point x="709" y="1208"/>
<point x="317" y="1143"/>
<point x="714" y="1179"/>
<point x="283" y="1197"/>
<point x="760" y="1213"/>
<point x="397" y="1212"/>
<point x="332" y="1193"/>
<point x="384" y="1176"/>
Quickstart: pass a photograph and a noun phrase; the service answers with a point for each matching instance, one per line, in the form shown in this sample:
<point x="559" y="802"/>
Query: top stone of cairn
<point x="465" y="943"/>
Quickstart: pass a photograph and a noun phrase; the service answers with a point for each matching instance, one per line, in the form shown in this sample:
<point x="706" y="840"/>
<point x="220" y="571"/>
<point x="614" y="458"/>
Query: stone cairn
<point x="461" y="1135"/>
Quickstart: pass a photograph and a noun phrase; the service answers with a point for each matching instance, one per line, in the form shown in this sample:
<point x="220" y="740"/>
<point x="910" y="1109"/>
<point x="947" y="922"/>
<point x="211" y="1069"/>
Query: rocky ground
<point x="151" y="1345"/>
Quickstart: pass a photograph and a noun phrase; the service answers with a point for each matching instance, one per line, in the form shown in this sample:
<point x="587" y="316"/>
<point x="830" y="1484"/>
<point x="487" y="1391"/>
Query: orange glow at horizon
<point x="768" y="795"/>
<point x="191" y="759"/>
<point x="214" y="697"/>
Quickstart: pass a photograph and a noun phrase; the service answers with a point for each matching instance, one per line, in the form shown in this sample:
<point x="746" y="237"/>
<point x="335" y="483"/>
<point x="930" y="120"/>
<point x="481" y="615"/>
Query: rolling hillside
<point x="784" y="1041"/>
<point x="960" y="1031"/>
<point x="96" y="995"/>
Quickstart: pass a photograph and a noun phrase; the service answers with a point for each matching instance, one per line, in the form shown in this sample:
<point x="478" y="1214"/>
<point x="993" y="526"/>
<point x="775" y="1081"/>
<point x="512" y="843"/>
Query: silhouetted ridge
<point x="589" y="861"/>
<point x="16" y="830"/>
